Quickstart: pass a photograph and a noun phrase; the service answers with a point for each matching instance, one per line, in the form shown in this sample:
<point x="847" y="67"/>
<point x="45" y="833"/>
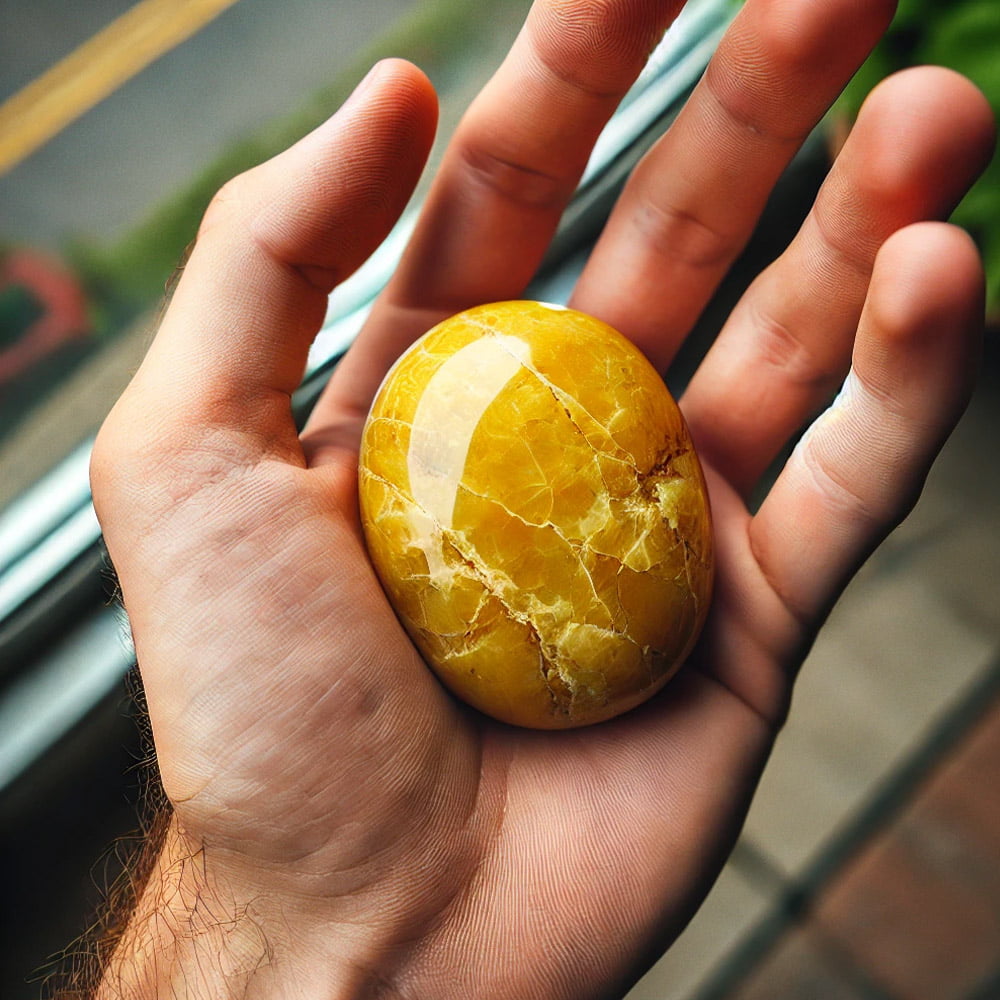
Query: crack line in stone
<point x="575" y="547"/>
<point x="484" y="577"/>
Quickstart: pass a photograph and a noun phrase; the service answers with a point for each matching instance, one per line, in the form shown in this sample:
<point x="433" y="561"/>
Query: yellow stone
<point x="535" y="510"/>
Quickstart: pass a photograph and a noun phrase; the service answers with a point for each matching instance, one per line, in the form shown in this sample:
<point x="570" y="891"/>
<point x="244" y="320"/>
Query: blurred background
<point x="870" y="866"/>
<point x="119" y="122"/>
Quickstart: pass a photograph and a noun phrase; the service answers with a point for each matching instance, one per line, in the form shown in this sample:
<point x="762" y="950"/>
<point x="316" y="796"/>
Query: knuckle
<point x="115" y="460"/>
<point x="779" y="347"/>
<point x="229" y="202"/>
<point x="101" y="465"/>
<point x="518" y="183"/>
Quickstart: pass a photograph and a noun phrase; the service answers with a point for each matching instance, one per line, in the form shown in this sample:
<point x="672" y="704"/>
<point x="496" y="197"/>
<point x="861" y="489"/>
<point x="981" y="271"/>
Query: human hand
<point x="341" y="825"/>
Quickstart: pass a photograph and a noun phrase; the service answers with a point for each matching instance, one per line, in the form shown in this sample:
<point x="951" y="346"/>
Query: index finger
<point x="508" y="172"/>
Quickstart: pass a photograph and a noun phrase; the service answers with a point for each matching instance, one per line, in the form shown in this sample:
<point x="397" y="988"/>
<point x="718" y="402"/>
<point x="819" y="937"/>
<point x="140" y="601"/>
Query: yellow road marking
<point x="96" y="69"/>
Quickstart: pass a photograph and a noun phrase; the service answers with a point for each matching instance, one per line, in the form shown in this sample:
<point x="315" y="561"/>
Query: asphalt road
<point x="35" y="35"/>
<point x="102" y="174"/>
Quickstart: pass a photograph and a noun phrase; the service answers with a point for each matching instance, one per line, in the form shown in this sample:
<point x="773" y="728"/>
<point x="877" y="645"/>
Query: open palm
<point x="357" y="828"/>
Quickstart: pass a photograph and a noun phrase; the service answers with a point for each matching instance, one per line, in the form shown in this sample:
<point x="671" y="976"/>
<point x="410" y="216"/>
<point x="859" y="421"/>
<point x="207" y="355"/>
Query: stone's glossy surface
<point x="534" y="508"/>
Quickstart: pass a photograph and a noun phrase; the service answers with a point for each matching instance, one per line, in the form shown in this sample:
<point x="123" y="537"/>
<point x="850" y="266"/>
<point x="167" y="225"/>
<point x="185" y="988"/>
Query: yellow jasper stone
<point x="535" y="510"/>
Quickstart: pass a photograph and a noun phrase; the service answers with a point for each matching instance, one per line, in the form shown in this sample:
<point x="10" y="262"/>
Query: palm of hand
<point x="299" y="736"/>
<point x="393" y="791"/>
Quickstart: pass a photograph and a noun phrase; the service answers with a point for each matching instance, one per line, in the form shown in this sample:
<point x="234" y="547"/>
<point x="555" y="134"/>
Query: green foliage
<point x="19" y="309"/>
<point x="131" y="276"/>
<point x="965" y="36"/>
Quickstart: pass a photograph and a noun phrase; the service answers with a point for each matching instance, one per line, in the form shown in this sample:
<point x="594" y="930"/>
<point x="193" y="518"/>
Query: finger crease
<point x="518" y="182"/>
<point x="681" y="235"/>
<point x="575" y="81"/>
<point x="802" y="619"/>
<point x="856" y="255"/>
<point x="771" y="721"/>
<point x="746" y="123"/>
<point x="889" y="404"/>
<point x="780" y="348"/>
<point x="319" y="277"/>
<point x="836" y="490"/>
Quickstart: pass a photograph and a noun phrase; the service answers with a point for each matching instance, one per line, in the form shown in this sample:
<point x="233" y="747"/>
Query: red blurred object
<point x="58" y="299"/>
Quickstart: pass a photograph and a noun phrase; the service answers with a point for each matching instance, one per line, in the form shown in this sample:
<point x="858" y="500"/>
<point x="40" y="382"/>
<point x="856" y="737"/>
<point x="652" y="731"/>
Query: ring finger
<point x="919" y="142"/>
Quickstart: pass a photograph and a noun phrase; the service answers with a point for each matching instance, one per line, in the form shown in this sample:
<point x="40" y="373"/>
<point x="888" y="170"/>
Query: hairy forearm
<point x="188" y="934"/>
<point x="166" y="928"/>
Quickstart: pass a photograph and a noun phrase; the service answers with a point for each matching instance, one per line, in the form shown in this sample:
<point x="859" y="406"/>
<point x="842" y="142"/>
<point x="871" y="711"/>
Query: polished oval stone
<point x="535" y="510"/>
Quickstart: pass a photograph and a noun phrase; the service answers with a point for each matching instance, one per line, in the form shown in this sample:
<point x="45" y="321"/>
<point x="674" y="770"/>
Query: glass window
<point x="118" y="122"/>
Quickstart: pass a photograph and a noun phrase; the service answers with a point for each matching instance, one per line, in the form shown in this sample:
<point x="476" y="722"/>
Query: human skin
<point x="340" y="826"/>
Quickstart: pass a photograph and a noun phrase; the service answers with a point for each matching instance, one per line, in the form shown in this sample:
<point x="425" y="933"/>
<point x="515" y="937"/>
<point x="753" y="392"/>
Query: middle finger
<point x="693" y="201"/>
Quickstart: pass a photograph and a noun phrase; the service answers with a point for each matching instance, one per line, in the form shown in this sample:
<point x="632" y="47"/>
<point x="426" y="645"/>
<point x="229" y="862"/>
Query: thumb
<point x="273" y="244"/>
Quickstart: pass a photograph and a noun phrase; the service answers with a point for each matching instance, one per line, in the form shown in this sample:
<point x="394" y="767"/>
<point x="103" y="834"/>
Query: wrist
<point x="203" y="928"/>
<point x="190" y="933"/>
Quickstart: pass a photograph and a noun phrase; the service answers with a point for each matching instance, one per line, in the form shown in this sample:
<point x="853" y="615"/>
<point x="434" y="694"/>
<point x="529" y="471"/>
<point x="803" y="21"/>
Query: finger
<point x="920" y="141"/>
<point x="858" y="470"/>
<point x="692" y="203"/>
<point x="273" y="244"/>
<point x="510" y="169"/>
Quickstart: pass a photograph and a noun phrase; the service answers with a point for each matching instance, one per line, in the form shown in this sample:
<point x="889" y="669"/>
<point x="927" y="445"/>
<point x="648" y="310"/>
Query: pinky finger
<point x="858" y="470"/>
